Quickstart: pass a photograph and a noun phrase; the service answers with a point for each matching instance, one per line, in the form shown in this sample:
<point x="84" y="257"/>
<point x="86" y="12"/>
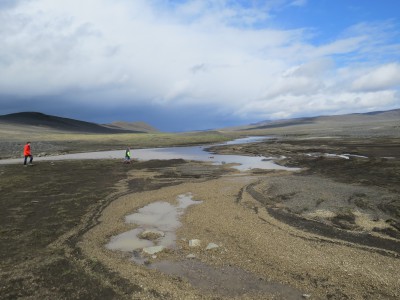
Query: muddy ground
<point x="330" y="231"/>
<point x="367" y="182"/>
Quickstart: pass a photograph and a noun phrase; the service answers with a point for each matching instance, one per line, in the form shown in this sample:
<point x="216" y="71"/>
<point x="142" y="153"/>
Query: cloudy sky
<point x="198" y="64"/>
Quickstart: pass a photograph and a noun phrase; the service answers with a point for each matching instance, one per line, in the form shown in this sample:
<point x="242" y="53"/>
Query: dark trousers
<point x="26" y="157"/>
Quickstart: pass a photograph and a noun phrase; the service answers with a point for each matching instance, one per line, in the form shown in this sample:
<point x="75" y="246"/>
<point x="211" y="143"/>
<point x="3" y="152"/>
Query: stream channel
<point x="198" y="153"/>
<point x="156" y="228"/>
<point x="157" y="223"/>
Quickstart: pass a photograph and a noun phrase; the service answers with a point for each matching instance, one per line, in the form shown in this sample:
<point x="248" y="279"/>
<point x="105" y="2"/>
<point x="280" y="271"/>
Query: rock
<point x="212" y="246"/>
<point x="151" y="234"/>
<point x="306" y="296"/>
<point x="147" y="262"/>
<point x="191" y="256"/>
<point x="153" y="250"/>
<point x="194" y="243"/>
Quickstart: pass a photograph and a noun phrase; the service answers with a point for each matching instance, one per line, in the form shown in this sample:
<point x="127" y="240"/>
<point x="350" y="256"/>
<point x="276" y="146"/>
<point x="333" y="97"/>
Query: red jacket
<point x="27" y="150"/>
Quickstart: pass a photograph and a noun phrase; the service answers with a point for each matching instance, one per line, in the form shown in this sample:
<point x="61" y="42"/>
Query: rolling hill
<point x="355" y="118"/>
<point x="372" y="124"/>
<point x="135" y="126"/>
<point x="54" y="123"/>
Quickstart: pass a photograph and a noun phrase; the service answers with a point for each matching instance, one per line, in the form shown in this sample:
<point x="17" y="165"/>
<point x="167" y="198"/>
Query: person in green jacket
<point x="127" y="156"/>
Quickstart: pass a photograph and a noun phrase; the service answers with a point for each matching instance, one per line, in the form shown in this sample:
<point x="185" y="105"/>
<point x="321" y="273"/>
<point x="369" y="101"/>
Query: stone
<point x="153" y="250"/>
<point x="191" y="256"/>
<point x="212" y="246"/>
<point x="151" y="234"/>
<point x="194" y="243"/>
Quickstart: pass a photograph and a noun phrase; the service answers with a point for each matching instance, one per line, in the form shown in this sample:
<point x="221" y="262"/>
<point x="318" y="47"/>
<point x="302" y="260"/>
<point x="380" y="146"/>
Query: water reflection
<point x="163" y="217"/>
<point x="188" y="153"/>
<point x="200" y="153"/>
<point x="157" y="217"/>
<point x="227" y="281"/>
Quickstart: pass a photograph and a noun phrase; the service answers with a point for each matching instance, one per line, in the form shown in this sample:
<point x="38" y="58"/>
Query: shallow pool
<point x="161" y="218"/>
<point x="197" y="153"/>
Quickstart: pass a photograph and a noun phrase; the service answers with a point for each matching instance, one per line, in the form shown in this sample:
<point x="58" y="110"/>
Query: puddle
<point x="344" y="156"/>
<point x="198" y="153"/>
<point x="163" y="218"/>
<point x="246" y="140"/>
<point x="160" y="218"/>
<point x="226" y="281"/>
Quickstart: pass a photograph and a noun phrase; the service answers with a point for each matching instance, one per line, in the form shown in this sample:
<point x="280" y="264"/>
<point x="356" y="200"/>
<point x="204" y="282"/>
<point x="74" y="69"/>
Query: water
<point x="227" y="281"/>
<point x="163" y="218"/>
<point x="158" y="216"/>
<point x="198" y="153"/>
<point x="244" y="163"/>
<point x="344" y="156"/>
<point x="246" y="140"/>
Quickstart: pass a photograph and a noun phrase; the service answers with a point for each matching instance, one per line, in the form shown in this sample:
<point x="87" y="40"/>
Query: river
<point x="197" y="153"/>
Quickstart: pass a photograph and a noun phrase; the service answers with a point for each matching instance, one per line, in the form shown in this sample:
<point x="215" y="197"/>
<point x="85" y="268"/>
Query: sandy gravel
<point x="250" y="240"/>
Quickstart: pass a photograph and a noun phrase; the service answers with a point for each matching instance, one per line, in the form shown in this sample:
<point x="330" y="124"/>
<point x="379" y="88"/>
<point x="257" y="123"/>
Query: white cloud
<point x="299" y="3"/>
<point x="380" y="78"/>
<point x="285" y="106"/>
<point x="198" y="53"/>
<point x="223" y="11"/>
<point x="75" y="45"/>
<point x="341" y="46"/>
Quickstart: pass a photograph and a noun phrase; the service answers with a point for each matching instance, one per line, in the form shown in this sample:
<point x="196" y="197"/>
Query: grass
<point x="45" y="211"/>
<point x="142" y="139"/>
<point x="38" y="205"/>
<point x="55" y="143"/>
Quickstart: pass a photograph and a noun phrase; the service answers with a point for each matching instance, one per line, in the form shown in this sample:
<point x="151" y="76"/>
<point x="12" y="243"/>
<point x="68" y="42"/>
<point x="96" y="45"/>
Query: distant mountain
<point x="135" y="126"/>
<point x="390" y="115"/>
<point x="49" y="122"/>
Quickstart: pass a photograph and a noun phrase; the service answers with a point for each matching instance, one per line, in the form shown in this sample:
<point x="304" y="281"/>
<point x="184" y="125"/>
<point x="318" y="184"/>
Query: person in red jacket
<point x="27" y="153"/>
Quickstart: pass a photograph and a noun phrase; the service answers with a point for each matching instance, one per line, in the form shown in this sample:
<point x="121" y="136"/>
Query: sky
<point x="183" y="65"/>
